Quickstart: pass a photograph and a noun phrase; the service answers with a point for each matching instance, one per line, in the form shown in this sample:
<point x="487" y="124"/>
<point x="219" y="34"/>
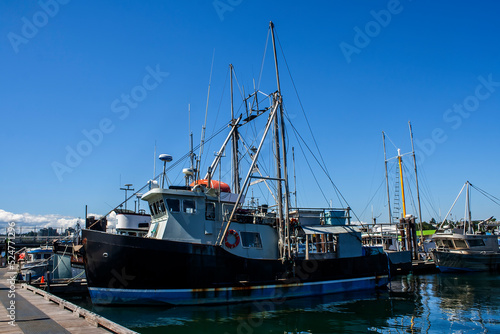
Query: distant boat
<point x="132" y="223"/>
<point x="35" y="262"/>
<point x="466" y="247"/>
<point x="204" y="246"/>
<point x="385" y="238"/>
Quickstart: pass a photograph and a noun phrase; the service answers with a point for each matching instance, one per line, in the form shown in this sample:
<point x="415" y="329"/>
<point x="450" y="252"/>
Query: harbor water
<point x="437" y="303"/>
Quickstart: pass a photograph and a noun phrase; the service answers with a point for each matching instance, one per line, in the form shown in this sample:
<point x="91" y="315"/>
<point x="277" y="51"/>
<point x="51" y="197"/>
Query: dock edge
<point x="91" y="317"/>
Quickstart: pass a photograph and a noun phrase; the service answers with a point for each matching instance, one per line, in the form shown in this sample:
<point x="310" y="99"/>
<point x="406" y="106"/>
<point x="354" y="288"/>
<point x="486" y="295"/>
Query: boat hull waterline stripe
<point x="105" y="296"/>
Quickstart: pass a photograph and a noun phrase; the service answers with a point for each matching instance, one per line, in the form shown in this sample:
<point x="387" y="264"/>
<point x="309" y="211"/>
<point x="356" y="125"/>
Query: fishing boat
<point x="35" y="262"/>
<point x="385" y="238"/>
<point x="466" y="246"/>
<point x="206" y="246"/>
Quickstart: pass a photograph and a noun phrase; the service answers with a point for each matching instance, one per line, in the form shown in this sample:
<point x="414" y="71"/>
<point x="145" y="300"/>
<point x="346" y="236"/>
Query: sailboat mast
<point x="234" y="141"/>
<point x="387" y="180"/>
<point x="190" y="177"/>
<point x="468" y="217"/>
<point x="294" y="177"/>
<point x="280" y="123"/>
<point x="416" y="179"/>
<point x="400" y="161"/>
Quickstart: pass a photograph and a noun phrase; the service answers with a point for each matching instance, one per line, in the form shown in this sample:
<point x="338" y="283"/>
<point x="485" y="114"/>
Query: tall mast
<point x="467" y="211"/>
<point x="400" y="161"/>
<point x="190" y="176"/>
<point x="416" y="179"/>
<point x="283" y="223"/>
<point x="234" y="141"/>
<point x="294" y="177"/>
<point x="387" y="180"/>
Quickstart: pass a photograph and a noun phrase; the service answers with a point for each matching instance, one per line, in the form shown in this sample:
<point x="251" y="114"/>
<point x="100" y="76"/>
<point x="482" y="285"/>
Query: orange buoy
<point x="224" y="187"/>
<point x="42" y="280"/>
<point x="236" y="239"/>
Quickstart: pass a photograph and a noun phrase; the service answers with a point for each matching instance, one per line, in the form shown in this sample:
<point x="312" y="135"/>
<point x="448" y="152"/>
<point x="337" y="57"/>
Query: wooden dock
<point x="420" y="267"/>
<point x="26" y="309"/>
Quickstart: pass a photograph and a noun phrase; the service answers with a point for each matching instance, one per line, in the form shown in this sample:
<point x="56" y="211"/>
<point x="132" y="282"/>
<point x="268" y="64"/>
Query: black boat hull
<point x="132" y="270"/>
<point x="462" y="262"/>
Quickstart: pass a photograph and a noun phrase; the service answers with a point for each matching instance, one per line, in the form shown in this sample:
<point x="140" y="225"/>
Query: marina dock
<point x="26" y="309"/>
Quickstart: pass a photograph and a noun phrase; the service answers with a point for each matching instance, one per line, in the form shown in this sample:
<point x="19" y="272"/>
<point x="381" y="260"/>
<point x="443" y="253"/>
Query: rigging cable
<point x="323" y="168"/>
<point x="300" y="101"/>
<point x="487" y="195"/>
<point x="218" y="110"/>
<point x="263" y="58"/>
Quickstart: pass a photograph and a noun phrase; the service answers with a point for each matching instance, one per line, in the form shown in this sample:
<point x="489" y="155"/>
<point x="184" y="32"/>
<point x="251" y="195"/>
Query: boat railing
<point x="321" y="216"/>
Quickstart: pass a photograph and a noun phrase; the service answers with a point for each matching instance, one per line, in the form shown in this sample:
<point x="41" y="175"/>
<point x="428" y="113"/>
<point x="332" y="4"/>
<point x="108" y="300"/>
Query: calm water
<point x="441" y="303"/>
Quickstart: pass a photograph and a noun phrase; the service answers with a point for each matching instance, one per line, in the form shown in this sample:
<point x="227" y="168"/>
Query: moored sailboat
<point x="466" y="247"/>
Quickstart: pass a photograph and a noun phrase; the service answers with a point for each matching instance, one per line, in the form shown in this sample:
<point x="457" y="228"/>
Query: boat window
<point x="155" y="207"/>
<point x="189" y="206"/>
<point x="476" y="242"/>
<point x="226" y="210"/>
<point x="174" y="205"/>
<point x="251" y="240"/>
<point x="322" y="243"/>
<point x="459" y="243"/>
<point x="162" y="206"/>
<point x="151" y="209"/>
<point x="210" y="211"/>
<point x="448" y="243"/>
<point x="143" y="225"/>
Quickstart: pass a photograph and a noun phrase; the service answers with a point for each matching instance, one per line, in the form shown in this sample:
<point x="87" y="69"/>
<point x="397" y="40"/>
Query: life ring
<point x="236" y="237"/>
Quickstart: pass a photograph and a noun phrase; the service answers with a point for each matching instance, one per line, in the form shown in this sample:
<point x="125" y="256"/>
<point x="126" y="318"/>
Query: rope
<point x="487" y="195"/>
<point x="263" y="58"/>
<point x="173" y="165"/>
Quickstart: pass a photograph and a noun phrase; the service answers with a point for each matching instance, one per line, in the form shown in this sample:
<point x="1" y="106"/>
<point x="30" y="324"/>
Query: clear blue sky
<point x="360" y="67"/>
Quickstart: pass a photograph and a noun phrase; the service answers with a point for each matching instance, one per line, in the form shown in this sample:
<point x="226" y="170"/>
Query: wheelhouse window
<point x="445" y="243"/>
<point x="459" y="243"/>
<point x="476" y="242"/>
<point x="189" y="206"/>
<point x="210" y="211"/>
<point x="162" y="206"/>
<point x="251" y="240"/>
<point x="174" y="205"/>
<point x="226" y="211"/>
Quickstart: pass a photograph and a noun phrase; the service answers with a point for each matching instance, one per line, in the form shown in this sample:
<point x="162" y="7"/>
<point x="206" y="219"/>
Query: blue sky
<point x="360" y="68"/>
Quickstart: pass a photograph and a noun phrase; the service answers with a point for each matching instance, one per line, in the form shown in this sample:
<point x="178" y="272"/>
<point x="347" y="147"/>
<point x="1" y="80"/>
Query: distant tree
<point x="427" y="226"/>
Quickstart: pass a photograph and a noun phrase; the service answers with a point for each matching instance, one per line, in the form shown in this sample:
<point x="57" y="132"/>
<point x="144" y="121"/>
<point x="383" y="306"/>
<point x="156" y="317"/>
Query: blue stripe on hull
<point x="108" y="296"/>
<point x="454" y="269"/>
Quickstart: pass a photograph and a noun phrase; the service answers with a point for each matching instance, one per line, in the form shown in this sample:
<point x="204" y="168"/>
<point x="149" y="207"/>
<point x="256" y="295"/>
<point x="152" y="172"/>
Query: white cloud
<point x="29" y="221"/>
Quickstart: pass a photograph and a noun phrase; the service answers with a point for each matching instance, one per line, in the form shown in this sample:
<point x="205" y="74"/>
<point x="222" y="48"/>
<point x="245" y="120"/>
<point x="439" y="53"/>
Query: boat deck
<point x="37" y="311"/>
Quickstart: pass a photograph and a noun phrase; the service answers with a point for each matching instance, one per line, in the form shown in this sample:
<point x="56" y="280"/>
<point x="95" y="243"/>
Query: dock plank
<point x="35" y="313"/>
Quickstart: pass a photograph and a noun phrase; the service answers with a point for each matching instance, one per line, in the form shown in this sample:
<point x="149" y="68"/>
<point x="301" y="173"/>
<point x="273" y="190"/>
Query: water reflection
<point x="413" y="304"/>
